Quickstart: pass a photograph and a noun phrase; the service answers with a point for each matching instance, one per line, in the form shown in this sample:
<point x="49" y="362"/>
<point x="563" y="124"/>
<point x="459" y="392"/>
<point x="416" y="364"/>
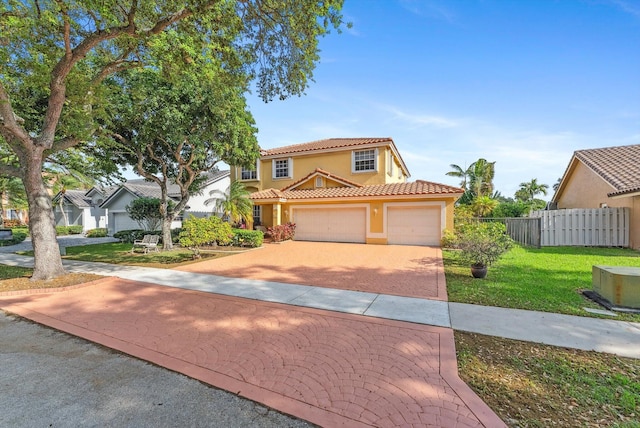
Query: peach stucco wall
<point x="338" y="163"/>
<point x="586" y="189"/>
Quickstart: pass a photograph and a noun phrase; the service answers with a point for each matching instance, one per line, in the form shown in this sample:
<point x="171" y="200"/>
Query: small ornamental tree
<point x="481" y="244"/>
<point x="197" y="232"/>
<point x="146" y="212"/>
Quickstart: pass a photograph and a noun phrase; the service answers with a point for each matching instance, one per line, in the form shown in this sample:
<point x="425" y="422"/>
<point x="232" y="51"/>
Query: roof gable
<point x="75" y="197"/>
<point x="618" y="166"/>
<point x="322" y="173"/>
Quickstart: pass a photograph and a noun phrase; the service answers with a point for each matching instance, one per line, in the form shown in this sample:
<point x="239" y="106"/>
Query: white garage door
<point x="330" y="224"/>
<point x="413" y="225"/>
<point x="122" y="221"/>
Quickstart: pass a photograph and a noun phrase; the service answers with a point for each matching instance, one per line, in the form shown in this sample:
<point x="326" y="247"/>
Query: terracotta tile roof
<point x="330" y="143"/>
<point x="618" y="166"/>
<point x="395" y="189"/>
<point x="326" y="174"/>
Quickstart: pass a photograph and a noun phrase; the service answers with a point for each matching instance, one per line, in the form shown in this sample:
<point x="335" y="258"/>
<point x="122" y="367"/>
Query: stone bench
<point x="620" y="285"/>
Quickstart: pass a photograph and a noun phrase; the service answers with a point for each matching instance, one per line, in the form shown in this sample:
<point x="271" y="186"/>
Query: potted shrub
<point x="482" y="244"/>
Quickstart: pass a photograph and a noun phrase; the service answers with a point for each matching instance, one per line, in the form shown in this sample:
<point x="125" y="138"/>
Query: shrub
<point x="130" y="235"/>
<point x="96" y="233"/>
<point x="175" y="235"/>
<point x="75" y="229"/>
<point x="197" y="232"/>
<point x="282" y="232"/>
<point x="247" y="238"/>
<point x="483" y="243"/>
<point x="449" y="239"/>
<point x="19" y="235"/>
<point x="62" y="230"/>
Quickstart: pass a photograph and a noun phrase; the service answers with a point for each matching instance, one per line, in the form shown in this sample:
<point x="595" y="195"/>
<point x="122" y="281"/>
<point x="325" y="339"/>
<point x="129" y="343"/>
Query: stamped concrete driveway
<point x="386" y="269"/>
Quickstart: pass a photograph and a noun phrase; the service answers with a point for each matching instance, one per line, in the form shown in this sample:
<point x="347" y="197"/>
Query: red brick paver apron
<point x="329" y="368"/>
<point x="386" y="269"/>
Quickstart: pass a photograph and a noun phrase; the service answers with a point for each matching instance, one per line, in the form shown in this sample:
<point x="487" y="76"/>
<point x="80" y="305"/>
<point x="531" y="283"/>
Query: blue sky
<point x="524" y="83"/>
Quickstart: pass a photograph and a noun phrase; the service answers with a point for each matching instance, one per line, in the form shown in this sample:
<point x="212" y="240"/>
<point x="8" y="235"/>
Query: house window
<point x="389" y="163"/>
<point x="257" y="211"/>
<point x="364" y="160"/>
<point x="318" y="181"/>
<point x="282" y="168"/>
<point x="248" y="174"/>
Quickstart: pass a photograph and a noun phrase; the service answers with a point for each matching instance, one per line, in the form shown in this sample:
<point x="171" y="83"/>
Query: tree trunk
<point x="47" y="260"/>
<point x="62" y="212"/>
<point x="167" y="243"/>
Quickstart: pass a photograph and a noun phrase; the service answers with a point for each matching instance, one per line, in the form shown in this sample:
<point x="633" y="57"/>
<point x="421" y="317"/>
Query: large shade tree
<point x="55" y="56"/>
<point x="174" y="131"/>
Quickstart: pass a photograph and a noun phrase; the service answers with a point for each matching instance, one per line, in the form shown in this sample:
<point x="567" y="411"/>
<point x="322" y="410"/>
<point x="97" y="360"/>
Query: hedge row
<point x="247" y="238"/>
<point x="96" y="233"/>
<point x="69" y="230"/>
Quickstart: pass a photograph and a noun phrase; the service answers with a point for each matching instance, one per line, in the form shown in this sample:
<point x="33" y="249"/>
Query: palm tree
<point x="11" y="192"/>
<point x="481" y="177"/>
<point x="529" y="190"/>
<point x="235" y="203"/>
<point x="483" y="205"/>
<point x="61" y="180"/>
<point x="457" y="171"/>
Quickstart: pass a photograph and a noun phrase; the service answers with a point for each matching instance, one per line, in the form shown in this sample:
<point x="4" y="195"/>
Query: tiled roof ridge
<point x="374" y="190"/>
<point x="326" y="174"/>
<point x="439" y="184"/>
<point x="340" y="142"/>
<point x="623" y="180"/>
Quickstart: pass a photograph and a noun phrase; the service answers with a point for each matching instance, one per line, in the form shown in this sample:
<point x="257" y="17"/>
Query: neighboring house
<point x="81" y="208"/>
<point x="605" y="177"/>
<point x="348" y="190"/>
<point x="118" y="198"/>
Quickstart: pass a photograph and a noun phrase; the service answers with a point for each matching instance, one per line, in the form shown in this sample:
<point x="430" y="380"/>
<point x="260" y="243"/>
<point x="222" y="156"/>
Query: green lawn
<point x="120" y="253"/>
<point x="548" y="279"/>
<point x="8" y="272"/>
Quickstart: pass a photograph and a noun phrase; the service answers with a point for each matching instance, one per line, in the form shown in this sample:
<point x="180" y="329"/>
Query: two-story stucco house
<point x="348" y="190"/>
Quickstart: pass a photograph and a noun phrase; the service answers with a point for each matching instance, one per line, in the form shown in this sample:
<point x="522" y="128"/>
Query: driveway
<point x="386" y="269"/>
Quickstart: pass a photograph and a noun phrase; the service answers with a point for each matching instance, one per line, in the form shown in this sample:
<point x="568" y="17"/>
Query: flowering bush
<point x="282" y="232"/>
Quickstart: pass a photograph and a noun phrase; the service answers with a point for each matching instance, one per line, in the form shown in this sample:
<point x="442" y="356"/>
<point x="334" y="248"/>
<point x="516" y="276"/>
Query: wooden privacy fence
<point x="595" y="227"/>
<point x="524" y="230"/>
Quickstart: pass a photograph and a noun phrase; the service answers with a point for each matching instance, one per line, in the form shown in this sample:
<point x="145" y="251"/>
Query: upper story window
<point x="318" y="181"/>
<point x="364" y="160"/>
<point x="248" y="174"/>
<point x="282" y="168"/>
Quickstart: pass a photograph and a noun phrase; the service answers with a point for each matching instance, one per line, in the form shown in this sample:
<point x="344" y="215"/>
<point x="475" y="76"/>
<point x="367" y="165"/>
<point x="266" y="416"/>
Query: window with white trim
<point x="318" y="181"/>
<point x="282" y="168"/>
<point x="390" y="163"/>
<point x="364" y="160"/>
<point x="257" y="214"/>
<point x="248" y="174"/>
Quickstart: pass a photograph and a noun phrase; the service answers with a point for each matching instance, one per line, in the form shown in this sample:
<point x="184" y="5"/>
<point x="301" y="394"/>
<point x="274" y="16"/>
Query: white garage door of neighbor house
<point x="413" y="225"/>
<point x="330" y="224"/>
<point x="122" y="221"/>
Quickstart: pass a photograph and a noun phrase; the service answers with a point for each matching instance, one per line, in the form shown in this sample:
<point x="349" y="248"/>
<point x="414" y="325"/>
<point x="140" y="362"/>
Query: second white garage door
<point x="330" y="224"/>
<point x="413" y="225"/>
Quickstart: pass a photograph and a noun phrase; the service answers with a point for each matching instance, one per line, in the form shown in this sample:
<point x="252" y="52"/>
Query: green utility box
<point x="620" y="285"/>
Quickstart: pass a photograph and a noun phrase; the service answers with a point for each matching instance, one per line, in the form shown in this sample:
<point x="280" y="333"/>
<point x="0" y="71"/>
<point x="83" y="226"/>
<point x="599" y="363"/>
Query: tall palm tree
<point x="481" y="177"/>
<point x="457" y="171"/>
<point x="529" y="190"/>
<point x="234" y="204"/>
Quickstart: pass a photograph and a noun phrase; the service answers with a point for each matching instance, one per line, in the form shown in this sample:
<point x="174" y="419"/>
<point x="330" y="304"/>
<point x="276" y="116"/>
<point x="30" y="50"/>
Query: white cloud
<point x="419" y="120"/>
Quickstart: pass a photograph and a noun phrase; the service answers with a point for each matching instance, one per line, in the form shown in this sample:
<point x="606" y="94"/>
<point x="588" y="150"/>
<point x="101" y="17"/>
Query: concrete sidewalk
<point x="603" y="335"/>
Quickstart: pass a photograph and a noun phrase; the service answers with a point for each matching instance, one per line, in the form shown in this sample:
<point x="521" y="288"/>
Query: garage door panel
<point x="413" y="225"/>
<point x="330" y="224"/>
